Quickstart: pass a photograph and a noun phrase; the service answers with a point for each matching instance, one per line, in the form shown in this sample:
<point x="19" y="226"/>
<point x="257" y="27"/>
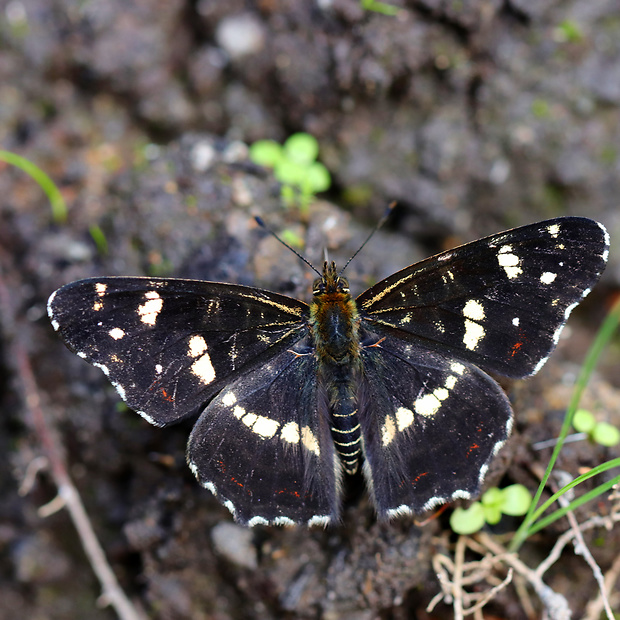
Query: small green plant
<point x="379" y="7"/>
<point x="568" y="31"/>
<point x="602" y="433"/>
<point x="294" y="165"/>
<point x="541" y="108"/>
<point x="514" y="500"/>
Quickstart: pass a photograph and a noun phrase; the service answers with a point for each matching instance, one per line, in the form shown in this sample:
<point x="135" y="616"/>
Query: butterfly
<point x="292" y="397"/>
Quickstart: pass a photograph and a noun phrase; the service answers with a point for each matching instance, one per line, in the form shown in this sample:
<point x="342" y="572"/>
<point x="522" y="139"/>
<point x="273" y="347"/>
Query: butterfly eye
<point x="318" y="286"/>
<point x="343" y="285"/>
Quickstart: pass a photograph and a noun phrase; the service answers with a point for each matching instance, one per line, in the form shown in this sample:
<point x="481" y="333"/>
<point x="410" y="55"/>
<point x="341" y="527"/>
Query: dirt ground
<point x="474" y="116"/>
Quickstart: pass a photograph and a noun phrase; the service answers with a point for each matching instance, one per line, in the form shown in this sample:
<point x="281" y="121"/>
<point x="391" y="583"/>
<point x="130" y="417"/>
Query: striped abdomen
<point x="345" y="428"/>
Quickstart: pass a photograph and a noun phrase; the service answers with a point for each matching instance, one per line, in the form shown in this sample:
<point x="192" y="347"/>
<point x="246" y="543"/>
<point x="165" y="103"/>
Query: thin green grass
<point x="57" y="202"/>
<point x="531" y="524"/>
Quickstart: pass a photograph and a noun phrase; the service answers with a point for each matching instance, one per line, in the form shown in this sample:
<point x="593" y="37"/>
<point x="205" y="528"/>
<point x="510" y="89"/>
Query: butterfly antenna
<point x="262" y="224"/>
<point x="386" y="215"/>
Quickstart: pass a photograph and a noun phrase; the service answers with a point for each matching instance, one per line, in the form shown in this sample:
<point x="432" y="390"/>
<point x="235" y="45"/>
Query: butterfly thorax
<point x="334" y="321"/>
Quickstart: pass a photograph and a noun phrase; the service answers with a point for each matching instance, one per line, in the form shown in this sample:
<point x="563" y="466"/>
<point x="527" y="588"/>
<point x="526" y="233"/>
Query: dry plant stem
<point x="555" y="604"/>
<point x="582" y="549"/>
<point x="595" y="607"/>
<point x="565" y="538"/>
<point x="457" y="580"/>
<point x="465" y="574"/>
<point x="111" y="590"/>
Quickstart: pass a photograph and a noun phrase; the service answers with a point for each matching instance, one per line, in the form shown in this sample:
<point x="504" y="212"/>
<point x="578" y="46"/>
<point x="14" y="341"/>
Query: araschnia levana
<point x="293" y="397"/>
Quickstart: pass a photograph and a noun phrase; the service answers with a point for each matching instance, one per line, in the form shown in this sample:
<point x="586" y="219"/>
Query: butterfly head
<point x="330" y="281"/>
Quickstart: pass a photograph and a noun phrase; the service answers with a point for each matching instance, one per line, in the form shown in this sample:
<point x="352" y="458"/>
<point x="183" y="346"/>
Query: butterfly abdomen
<point x="335" y="323"/>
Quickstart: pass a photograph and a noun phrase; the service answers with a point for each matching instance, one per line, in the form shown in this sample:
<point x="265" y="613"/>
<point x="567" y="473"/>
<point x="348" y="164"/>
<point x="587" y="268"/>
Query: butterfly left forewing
<point x="263" y="445"/>
<point x="499" y="302"/>
<point x="169" y="345"/>
<point x="430" y="424"/>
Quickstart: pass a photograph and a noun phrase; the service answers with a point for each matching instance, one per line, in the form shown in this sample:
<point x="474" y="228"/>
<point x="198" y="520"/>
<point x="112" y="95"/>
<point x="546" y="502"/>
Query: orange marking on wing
<point x="418" y="477"/>
<point x="515" y="348"/>
<point x="474" y="446"/>
<point x="166" y="396"/>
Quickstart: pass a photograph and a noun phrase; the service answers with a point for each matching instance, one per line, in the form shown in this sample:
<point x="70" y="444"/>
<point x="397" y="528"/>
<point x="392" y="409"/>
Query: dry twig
<point x="112" y="593"/>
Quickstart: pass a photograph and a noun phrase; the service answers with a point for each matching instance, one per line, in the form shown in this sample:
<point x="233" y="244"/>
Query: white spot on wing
<point x="209" y="486"/>
<point x="257" y="521"/>
<point x="474" y="333"/>
<point x="229" y="399"/>
<point x="151" y="308"/>
<point x="540" y="364"/>
<point x="265" y="427"/>
<point x="249" y="419"/>
<point x="474" y="310"/>
<point x="290" y="432"/>
<point x="120" y="389"/>
<point x="203" y="369"/>
<point x="429" y="404"/>
<point x="570" y="309"/>
<point x="404" y="418"/>
<point x="323" y="520"/>
<point x="509" y="262"/>
<point x="554" y="230"/>
<point x="459" y="369"/>
<point x="117" y="333"/>
<point x="197" y="346"/>
<point x="309" y="441"/>
<point x="388" y="430"/>
<point x="515" y="321"/>
<point x="548" y="277"/>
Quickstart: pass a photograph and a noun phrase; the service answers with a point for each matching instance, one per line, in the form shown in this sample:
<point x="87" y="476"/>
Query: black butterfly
<point x="293" y="396"/>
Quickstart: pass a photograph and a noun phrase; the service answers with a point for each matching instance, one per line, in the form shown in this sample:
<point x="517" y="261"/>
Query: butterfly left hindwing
<point x="263" y="445"/>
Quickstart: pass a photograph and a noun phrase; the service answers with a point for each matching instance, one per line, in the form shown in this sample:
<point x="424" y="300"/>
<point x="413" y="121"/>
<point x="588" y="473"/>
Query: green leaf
<point x="583" y="421"/>
<point x="516" y="500"/>
<point x="606" y="435"/>
<point x="492" y="514"/>
<point x="318" y="178"/>
<point x="492" y="497"/>
<point x="266" y="153"/>
<point x="290" y="172"/>
<point x="301" y="148"/>
<point x="467" y="520"/>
